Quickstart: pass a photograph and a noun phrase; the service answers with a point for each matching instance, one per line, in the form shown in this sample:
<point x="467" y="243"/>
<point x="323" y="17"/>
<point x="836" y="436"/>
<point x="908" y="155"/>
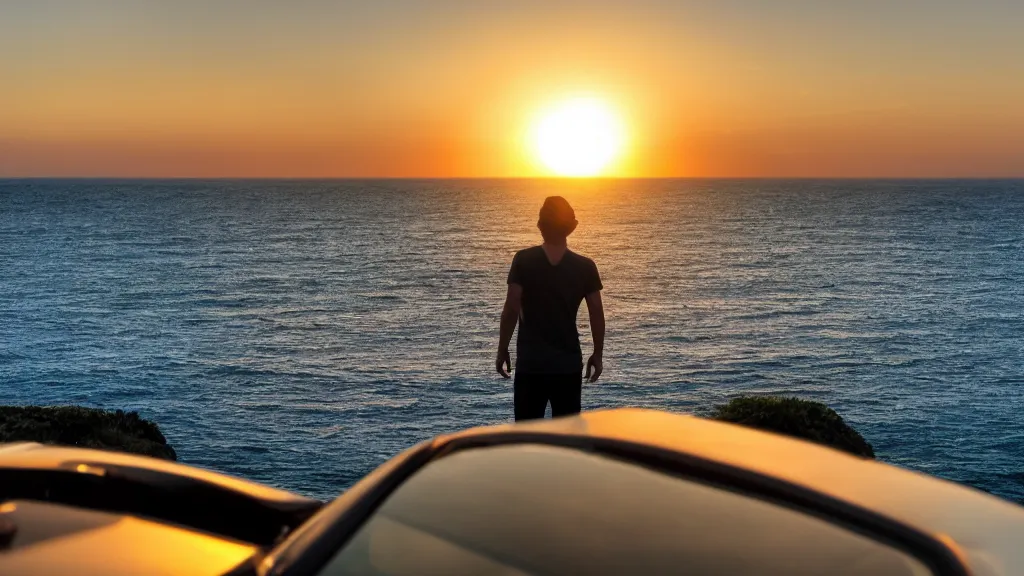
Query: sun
<point x="578" y="137"/>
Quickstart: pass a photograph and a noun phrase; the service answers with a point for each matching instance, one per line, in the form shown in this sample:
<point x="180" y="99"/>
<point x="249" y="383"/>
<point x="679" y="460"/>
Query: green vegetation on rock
<point x="126" y="432"/>
<point x="84" y="428"/>
<point x="804" y="419"/>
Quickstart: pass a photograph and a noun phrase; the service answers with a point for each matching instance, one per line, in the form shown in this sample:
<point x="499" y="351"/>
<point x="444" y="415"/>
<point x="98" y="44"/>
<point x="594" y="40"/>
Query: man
<point x="546" y="284"/>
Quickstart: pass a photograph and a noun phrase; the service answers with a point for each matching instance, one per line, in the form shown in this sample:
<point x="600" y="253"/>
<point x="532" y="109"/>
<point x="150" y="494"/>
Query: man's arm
<point x="509" y="317"/>
<point x="596" y="310"/>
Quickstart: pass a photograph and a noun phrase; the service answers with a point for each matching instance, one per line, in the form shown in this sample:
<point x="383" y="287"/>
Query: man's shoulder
<point x="529" y="253"/>
<point x="581" y="259"/>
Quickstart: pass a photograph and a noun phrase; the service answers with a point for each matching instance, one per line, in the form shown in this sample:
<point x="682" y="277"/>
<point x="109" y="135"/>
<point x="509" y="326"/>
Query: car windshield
<point x="532" y="509"/>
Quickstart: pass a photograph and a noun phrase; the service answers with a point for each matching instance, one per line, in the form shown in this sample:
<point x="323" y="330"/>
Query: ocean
<point x="300" y="333"/>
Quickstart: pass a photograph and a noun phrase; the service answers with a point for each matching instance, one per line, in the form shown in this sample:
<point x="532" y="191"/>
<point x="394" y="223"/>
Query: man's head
<point x="557" y="219"/>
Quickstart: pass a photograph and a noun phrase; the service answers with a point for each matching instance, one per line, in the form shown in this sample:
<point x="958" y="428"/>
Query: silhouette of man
<point x="546" y="285"/>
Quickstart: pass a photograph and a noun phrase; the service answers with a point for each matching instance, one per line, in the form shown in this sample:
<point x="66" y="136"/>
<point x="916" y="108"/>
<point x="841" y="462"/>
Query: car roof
<point x="985" y="528"/>
<point x="49" y="486"/>
<point x="32" y="455"/>
<point x="982" y="531"/>
<point x="539" y="509"/>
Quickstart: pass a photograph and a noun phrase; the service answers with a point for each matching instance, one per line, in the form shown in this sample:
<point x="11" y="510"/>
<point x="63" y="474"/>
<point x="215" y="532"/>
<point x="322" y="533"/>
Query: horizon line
<point x="470" y="178"/>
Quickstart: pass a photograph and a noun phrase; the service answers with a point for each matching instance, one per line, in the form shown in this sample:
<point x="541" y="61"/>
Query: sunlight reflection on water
<point x="299" y="333"/>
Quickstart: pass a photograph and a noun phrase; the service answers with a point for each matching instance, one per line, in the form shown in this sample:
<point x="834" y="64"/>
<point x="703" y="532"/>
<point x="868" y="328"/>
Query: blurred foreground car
<point x="608" y="492"/>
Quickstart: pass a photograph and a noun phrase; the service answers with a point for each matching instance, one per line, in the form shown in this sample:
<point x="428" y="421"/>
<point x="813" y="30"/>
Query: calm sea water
<point x="301" y="333"/>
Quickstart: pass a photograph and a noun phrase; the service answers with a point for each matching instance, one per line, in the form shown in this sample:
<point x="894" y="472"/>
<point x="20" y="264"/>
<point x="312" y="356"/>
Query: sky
<point x="439" y="88"/>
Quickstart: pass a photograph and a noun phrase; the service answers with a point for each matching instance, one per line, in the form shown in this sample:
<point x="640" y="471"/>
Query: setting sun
<point x="578" y="137"/>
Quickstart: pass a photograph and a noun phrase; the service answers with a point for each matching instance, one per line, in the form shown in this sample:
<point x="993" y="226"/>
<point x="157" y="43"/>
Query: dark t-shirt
<point x="548" y="342"/>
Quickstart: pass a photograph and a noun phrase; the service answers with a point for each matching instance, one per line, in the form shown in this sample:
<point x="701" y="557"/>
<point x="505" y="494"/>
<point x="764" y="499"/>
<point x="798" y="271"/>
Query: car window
<point x="533" y="509"/>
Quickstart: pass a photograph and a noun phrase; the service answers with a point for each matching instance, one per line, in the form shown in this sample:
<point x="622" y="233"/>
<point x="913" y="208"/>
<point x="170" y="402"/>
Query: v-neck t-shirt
<point x="548" y="341"/>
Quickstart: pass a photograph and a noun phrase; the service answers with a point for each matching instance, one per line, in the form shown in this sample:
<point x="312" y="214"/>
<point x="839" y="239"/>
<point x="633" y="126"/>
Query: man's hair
<point x="557" y="219"/>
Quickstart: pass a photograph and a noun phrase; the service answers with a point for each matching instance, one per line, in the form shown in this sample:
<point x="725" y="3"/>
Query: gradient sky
<point x="311" y="88"/>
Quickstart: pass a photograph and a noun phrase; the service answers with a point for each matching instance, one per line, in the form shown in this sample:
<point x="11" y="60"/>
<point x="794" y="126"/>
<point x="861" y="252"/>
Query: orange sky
<point x="406" y="88"/>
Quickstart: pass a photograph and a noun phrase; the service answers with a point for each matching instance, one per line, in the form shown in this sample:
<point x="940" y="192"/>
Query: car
<point x="622" y="491"/>
<point x="75" y="511"/>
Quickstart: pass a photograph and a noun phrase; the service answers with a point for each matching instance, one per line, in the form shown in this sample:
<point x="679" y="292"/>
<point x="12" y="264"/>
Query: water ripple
<point x="300" y="333"/>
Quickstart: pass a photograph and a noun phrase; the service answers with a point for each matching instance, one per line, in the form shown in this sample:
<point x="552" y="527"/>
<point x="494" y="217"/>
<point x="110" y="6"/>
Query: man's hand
<point x="503" y="361"/>
<point x="596" y="365"/>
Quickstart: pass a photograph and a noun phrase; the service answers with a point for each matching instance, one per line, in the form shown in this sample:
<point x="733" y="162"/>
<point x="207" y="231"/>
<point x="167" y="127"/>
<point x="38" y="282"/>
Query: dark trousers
<point x="533" y="391"/>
